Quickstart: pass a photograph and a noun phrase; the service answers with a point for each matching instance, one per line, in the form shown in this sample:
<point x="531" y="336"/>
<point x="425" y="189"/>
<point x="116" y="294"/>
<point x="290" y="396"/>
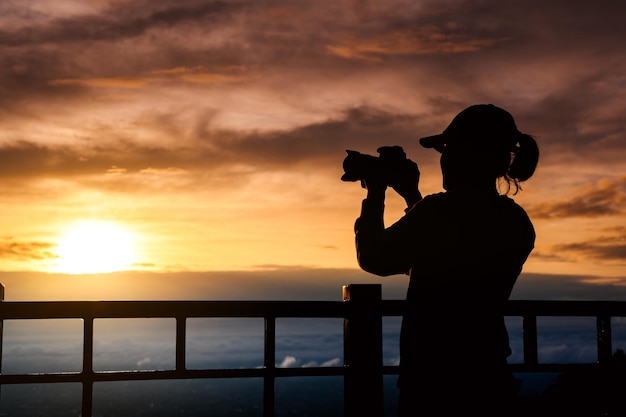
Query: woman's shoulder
<point x="435" y="201"/>
<point x="519" y="218"/>
<point x="432" y="205"/>
<point x="508" y="202"/>
<point x="443" y="199"/>
<point x="487" y="205"/>
<point x="435" y="198"/>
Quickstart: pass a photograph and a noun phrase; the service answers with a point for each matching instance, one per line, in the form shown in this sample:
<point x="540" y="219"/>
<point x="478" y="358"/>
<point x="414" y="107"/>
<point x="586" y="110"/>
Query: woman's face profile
<point x="462" y="167"/>
<point x="450" y="168"/>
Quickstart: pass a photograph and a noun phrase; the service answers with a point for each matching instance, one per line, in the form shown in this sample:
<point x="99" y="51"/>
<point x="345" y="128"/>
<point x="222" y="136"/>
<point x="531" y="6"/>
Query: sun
<point x="90" y="247"/>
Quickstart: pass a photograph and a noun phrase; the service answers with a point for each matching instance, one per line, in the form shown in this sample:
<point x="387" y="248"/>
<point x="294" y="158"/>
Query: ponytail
<point x="525" y="159"/>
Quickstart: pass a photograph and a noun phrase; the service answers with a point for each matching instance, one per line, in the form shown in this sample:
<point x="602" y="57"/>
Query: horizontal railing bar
<point x="554" y="367"/>
<point x="565" y="308"/>
<point x="245" y="373"/>
<point x="282" y="309"/>
<point x="163" y="309"/>
<point x="523" y="367"/>
<point x="108" y="376"/>
<point x="538" y="308"/>
<point x="242" y="373"/>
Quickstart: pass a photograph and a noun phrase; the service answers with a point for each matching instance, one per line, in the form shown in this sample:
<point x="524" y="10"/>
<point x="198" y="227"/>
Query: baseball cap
<point x="480" y="126"/>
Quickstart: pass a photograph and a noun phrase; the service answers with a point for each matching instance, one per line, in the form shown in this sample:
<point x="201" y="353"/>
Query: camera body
<point x="386" y="167"/>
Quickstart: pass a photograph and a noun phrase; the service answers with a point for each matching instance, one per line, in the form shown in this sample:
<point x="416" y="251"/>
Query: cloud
<point x="142" y="362"/>
<point x="26" y="250"/>
<point x="331" y="362"/>
<point x="144" y="98"/>
<point x="606" y="197"/>
<point x="68" y="55"/>
<point x="122" y="20"/>
<point x="198" y="75"/>
<point x="297" y="283"/>
<point x="103" y="82"/>
<point x="611" y="248"/>
<point x="291" y="361"/>
<point x="209" y="149"/>
<point x="27" y="159"/>
<point x="360" y="127"/>
<point x="278" y="284"/>
<point x="531" y="286"/>
<point x="416" y="40"/>
<point x="288" y="362"/>
<point x="161" y="50"/>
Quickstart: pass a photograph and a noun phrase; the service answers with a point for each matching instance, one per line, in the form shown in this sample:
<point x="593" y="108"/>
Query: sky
<point x="193" y="149"/>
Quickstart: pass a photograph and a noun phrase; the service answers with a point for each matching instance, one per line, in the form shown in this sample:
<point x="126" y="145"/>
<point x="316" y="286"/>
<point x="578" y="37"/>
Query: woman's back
<point x="467" y="245"/>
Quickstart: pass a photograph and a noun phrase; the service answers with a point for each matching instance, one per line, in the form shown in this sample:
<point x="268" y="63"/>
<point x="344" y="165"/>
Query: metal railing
<point x="362" y="310"/>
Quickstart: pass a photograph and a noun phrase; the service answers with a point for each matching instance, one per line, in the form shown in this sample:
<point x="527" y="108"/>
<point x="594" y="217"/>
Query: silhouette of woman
<point x="463" y="250"/>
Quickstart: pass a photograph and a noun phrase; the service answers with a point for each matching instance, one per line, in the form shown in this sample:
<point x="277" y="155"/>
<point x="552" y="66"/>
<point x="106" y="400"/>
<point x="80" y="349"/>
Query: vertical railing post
<point x="529" y="330"/>
<point x="603" y="334"/>
<point x="1" y="326"/>
<point x="269" y="363"/>
<point x="181" y="345"/>
<point x="363" y="353"/>
<point x="87" y="405"/>
<point x="1" y="335"/>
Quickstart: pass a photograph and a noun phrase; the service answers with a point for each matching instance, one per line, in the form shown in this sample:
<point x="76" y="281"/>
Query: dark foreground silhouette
<point x="593" y="392"/>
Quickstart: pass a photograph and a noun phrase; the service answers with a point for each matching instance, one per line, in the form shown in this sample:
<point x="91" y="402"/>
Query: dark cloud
<point x="267" y="283"/>
<point x="569" y="287"/>
<point x="31" y="160"/>
<point x="211" y="150"/>
<point x="25" y="251"/>
<point x="460" y="52"/>
<point x="24" y="159"/>
<point x="143" y="89"/>
<point x="123" y="20"/>
<point x="583" y="114"/>
<point x="130" y="39"/>
<point x="291" y="283"/>
<point x="282" y="33"/>
<point x="604" y="248"/>
<point x="605" y="198"/>
<point x="363" y="128"/>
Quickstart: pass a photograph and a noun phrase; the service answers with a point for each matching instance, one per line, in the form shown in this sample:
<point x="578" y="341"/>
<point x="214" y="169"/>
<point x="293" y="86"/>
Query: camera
<point x="386" y="167"/>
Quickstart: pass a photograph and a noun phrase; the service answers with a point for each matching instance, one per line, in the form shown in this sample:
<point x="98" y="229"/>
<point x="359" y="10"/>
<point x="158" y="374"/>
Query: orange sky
<point x="212" y="133"/>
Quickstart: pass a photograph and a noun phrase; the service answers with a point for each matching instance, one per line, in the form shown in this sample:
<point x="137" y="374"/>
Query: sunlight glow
<point x="90" y="247"/>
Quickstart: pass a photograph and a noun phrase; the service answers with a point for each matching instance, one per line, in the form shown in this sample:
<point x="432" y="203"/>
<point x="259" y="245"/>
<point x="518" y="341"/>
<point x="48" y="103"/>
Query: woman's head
<point x="481" y="145"/>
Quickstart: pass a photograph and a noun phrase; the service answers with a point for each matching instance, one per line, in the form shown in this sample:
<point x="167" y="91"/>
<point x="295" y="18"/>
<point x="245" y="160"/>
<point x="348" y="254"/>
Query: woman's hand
<point x="375" y="186"/>
<point x="405" y="181"/>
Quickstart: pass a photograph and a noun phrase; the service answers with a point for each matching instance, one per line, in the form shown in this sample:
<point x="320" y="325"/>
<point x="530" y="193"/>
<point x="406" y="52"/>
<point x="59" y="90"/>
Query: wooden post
<point x="363" y="352"/>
